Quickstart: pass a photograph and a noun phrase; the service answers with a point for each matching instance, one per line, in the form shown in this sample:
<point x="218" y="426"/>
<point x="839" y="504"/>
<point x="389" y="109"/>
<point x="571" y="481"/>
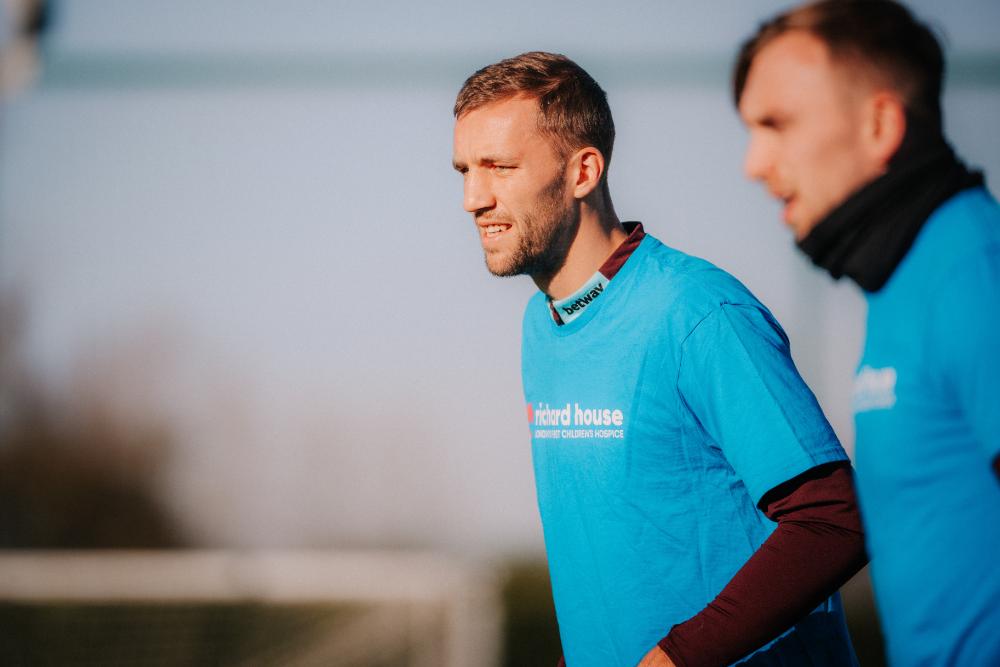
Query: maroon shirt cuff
<point x="817" y="546"/>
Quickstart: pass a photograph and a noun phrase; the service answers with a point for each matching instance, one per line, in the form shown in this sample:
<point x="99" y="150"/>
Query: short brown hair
<point x="573" y="109"/>
<point x="881" y="35"/>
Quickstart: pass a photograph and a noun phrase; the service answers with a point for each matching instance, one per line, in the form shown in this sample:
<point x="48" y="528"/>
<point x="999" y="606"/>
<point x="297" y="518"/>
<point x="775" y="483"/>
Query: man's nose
<point x="757" y="161"/>
<point x="478" y="194"/>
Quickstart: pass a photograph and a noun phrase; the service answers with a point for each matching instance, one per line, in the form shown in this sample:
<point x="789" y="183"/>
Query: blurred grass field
<point x="64" y="633"/>
<point x="163" y="634"/>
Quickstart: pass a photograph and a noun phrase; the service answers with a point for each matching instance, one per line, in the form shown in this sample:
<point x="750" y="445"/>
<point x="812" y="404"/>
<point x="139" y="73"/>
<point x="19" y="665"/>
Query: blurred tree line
<point x="73" y="473"/>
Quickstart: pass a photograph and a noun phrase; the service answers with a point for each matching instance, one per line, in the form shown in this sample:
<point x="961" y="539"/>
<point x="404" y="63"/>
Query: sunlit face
<point x="807" y="127"/>
<point x="516" y="187"/>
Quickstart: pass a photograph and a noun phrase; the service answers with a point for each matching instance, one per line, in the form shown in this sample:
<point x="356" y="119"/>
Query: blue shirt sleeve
<point x="964" y="344"/>
<point x="738" y="380"/>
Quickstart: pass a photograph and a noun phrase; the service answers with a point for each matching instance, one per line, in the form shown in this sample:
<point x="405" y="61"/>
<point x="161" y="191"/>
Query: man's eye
<point x="502" y="167"/>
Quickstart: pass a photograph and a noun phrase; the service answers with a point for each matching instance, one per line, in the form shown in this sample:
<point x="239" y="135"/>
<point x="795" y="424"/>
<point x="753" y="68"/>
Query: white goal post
<point x="398" y="608"/>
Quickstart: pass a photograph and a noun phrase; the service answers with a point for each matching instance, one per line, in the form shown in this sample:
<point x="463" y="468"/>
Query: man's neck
<point x="598" y="234"/>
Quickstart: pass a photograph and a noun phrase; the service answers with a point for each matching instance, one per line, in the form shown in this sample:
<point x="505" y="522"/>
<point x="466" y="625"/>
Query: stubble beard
<point x="544" y="236"/>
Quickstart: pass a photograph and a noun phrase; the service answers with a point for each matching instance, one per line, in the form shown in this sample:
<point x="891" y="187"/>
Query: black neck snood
<point x="870" y="232"/>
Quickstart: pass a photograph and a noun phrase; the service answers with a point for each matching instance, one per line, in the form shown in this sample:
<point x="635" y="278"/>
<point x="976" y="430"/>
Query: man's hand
<point x="656" y="658"/>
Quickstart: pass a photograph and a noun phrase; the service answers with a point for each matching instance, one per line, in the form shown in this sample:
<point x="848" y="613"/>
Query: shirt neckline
<point x="627" y="262"/>
<point x="564" y="311"/>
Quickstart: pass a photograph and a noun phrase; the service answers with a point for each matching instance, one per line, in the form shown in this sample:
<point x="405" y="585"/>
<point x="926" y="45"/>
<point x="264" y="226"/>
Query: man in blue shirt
<point x="696" y="505"/>
<point x="842" y="99"/>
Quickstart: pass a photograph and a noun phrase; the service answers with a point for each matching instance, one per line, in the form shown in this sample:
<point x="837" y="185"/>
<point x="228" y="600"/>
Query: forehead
<point x="508" y="125"/>
<point x="793" y="70"/>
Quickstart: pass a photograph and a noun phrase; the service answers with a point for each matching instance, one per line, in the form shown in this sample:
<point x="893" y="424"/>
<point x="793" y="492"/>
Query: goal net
<point x="346" y="609"/>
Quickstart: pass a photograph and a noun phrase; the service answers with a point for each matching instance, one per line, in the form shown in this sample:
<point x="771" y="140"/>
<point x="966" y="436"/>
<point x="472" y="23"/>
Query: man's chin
<point x="802" y="229"/>
<point x="503" y="267"/>
<point x="503" y="273"/>
<point x="520" y="263"/>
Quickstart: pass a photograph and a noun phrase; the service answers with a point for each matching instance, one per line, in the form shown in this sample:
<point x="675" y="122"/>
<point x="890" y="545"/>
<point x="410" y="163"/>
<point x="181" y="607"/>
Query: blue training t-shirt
<point x="660" y="416"/>
<point x="927" y="409"/>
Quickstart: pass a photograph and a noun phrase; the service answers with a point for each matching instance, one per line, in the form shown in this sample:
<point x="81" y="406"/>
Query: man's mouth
<point x="493" y="230"/>
<point x="787" y="200"/>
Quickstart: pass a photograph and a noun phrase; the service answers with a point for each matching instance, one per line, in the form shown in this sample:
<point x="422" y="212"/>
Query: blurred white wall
<point x="241" y="218"/>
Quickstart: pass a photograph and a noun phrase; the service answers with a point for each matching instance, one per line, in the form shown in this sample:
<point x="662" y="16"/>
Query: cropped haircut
<point x="573" y="109"/>
<point x="880" y="36"/>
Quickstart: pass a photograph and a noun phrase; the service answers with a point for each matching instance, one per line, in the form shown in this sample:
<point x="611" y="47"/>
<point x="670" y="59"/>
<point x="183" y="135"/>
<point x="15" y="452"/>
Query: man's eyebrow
<point x="493" y="159"/>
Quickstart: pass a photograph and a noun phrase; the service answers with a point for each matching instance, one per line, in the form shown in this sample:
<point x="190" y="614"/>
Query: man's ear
<point x="886" y="126"/>
<point x="586" y="168"/>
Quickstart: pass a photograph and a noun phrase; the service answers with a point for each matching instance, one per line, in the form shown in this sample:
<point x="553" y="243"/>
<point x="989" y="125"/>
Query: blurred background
<point x="241" y="307"/>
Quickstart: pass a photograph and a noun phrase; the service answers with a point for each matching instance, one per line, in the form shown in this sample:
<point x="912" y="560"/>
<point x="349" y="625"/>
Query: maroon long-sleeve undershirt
<point x="817" y="546"/>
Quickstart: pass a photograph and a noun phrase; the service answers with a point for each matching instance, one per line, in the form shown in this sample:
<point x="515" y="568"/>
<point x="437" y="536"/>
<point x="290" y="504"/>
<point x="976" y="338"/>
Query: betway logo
<point x="574" y="415"/>
<point x="583" y="301"/>
<point x="571" y="307"/>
